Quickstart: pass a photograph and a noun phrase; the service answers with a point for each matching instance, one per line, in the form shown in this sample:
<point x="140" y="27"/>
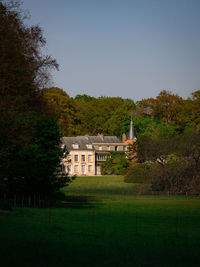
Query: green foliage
<point x="177" y="176"/>
<point x="175" y="163"/>
<point x="84" y="98"/>
<point x="116" y="164"/>
<point x="29" y="136"/>
<point x="118" y="123"/>
<point x="103" y="114"/>
<point x="138" y="173"/>
<point x="65" y="108"/>
<point x="171" y="109"/>
<point x="152" y="128"/>
<point x="164" y="116"/>
<point x="31" y="167"/>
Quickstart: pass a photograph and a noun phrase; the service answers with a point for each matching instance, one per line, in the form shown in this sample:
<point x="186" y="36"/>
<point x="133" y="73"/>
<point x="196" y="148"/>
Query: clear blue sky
<point x="128" y="48"/>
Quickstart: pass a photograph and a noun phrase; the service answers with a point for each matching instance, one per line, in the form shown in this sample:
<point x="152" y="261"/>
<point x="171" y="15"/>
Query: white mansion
<point x="87" y="153"/>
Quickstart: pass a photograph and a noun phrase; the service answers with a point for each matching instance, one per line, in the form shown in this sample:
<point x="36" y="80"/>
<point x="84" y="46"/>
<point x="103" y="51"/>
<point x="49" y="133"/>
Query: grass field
<point x="103" y="223"/>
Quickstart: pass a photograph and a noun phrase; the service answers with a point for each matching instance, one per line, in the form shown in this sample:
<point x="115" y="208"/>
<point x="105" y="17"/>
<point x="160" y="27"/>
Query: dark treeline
<point x="29" y="135"/>
<point x="170" y="164"/>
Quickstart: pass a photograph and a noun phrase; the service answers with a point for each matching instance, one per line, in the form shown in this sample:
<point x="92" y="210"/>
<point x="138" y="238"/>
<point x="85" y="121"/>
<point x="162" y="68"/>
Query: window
<point x="63" y="146"/>
<point x="63" y="169"/>
<point x="108" y="147"/>
<point x="75" y="168"/>
<point x="83" y="158"/>
<point x="83" y="169"/>
<point x="89" y="146"/>
<point x="89" y="168"/>
<point x="69" y="168"/>
<point x="89" y="158"/>
<point x="101" y="157"/>
<point x="76" y="158"/>
<point x="75" y="146"/>
<point x="100" y="147"/>
<point x="115" y="148"/>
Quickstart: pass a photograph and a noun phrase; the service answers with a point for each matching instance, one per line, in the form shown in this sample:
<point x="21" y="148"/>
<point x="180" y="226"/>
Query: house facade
<point x="87" y="153"/>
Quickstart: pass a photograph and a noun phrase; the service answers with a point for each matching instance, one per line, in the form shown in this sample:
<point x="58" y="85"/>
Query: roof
<point x="81" y="140"/>
<point x="131" y="133"/>
<point x="84" y="140"/>
<point x="104" y="140"/>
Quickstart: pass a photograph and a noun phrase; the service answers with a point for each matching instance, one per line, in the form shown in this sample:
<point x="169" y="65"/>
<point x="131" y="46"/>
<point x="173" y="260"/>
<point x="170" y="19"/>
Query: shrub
<point x="177" y="176"/>
<point x="116" y="164"/>
<point x="138" y="173"/>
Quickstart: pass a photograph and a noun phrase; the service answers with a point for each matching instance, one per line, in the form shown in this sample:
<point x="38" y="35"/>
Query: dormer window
<point x="63" y="146"/>
<point x="75" y="146"/>
<point x="89" y="146"/>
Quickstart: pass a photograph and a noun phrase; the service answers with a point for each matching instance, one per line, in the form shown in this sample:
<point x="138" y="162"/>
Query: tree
<point x="169" y="164"/>
<point x="166" y="108"/>
<point x="118" y="123"/>
<point x="65" y="108"/>
<point x="29" y="137"/>
<point x="115" y="164"/>
<point x="102" y="114"/>
<point x="84" y="98"/>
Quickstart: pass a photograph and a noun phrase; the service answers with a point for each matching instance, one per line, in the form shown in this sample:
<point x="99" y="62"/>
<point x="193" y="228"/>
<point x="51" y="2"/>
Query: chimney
<point x="100" y="135"/>
<point x="123" y="137"/>
<point x="86" y="136"/>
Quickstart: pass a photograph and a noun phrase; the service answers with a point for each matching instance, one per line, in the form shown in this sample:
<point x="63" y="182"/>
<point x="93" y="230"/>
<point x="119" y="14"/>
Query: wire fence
<point x="94" y="219"/>
<point x="31" y="201"/>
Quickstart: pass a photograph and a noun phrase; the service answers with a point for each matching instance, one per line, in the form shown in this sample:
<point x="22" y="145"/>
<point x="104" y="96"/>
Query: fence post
<point x="49" y="213"/>
<point x="29" y="201"/>
<point x="22" y="201"/>
<point x="136" y="222"/>
<point x="93" y="220"/>
<point x="14" y="200"/>
<point x="46" y="201"/>
<point x="177" y="225"/>
<point x="34" y="202"/>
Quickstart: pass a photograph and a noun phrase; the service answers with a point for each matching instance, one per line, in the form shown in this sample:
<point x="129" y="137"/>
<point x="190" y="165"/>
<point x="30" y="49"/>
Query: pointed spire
<point x="131" y="133"/>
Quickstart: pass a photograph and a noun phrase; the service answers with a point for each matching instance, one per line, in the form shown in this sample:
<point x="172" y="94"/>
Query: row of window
<point x="76" y="146"/>
<point x="76" y="168"/>
<point x="101" y="157"/>
<point x="116" y="148"/>
<point x="83" y="158"/>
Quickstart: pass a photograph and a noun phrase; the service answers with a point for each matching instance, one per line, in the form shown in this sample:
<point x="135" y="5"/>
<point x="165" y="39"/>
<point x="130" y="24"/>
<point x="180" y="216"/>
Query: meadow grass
<point x="103" y="223"/>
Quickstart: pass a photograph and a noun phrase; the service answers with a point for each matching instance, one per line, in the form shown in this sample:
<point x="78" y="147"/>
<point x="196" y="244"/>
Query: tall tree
<point x="23" y="72"/>
<point x="65" y="107"/>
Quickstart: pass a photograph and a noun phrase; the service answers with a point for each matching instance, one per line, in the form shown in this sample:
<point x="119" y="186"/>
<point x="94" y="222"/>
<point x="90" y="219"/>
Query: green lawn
<point x="103" y="223"/>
